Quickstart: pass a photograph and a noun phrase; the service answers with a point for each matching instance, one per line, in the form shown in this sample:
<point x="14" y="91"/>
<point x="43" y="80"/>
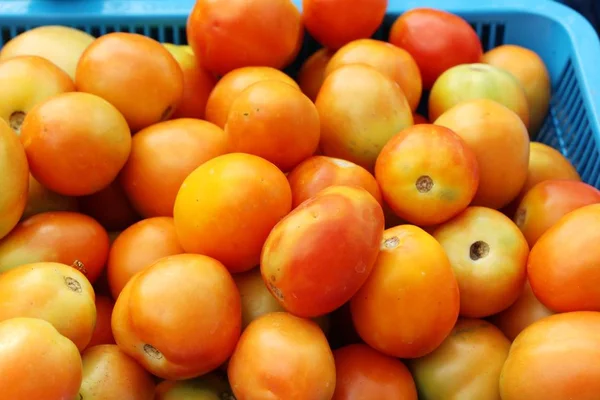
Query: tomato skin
<point x="332" y="241"/>
<point x="40" y="199"/>
<point x="280" y="356"/>
<point x="420" y="300"/>
<point x="312" y="72"/>
<point x="555" y="359"/>
<point x="102" y="331"/>
<point x="60" y="236"/>
<point x="207" y="387"/>
<point x="31" y="348"/>
<point x="564" y="264"/>
<point x="437" y="40"/>
<point x="466" y="366"/>
<point x="110" y="207"/>
<point x="362" y="372"/>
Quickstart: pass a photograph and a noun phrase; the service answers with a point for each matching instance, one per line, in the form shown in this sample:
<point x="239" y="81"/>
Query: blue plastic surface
<point x="563" y="38"/>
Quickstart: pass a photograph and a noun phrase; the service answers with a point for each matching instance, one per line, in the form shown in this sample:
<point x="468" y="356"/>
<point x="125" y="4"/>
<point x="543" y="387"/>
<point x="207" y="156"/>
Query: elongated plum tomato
<point x="53" y="292"/>
<point x="319" y="172"/>
<point x="364" y="373"/>
<point x="330" y="240"/>
<point x="37" y="362"/>
<point x="555" y="359"/>
<point x="207" y="387"/>
<point x="180" y="317"/>
<point x="109" y="373"/>
<point x="61" y="236"/>
<point x="465" y="366"/>
<point x="427" y="174"/>
<point x="285" y="356"/>
<point x="564" y="264"/>
<point x="76" y="143"/>
<point x="270" y="33"/>
<point x="226" y="208"/>
<point x="410" y="302"/>
<point x="15" y="176"/>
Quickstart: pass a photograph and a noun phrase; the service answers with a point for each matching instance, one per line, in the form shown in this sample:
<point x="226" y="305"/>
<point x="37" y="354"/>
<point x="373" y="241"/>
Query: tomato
<point x="269" y="32"/>
<point x="41" y="199"/>
<point x="139" y="246"/>
<point x="363" y="373"/>
<point x="162" y="156"/>
<point x="355" y="99"/>
<point x="437" y="40"/>
<point x="134" y="73"/>
<point x="275" y="121"/>
<point x="564" y="264"/>
<point x="76" y="143"/>
<point x="419" y="119"/>
<point x="465" y="366"/>
<point x="284" y="357"/>
<point x="312" y="72"/>
<point x="235" y="82"/>
<point x="547" y="163"/>
<point x="15" y="176"/>
<point x="550" y="200"/>
<point x="488" y="254"/>
<point x="410" y="302"/>
<point x="319" y="172"/>
<point x="501" y="144"/>
<point x="392" y="61"/>
<point x="110" y="206"/>
<point x="65" y="237"/>
<point x="333" y="23"/>
<point x="37" y="362"/>
<point x="330" y="241"/>
<point x="477" y="81"/>
<point x="108" y="373"/>
<point x="531" y="72"/>
<point x="103" y="330"/>
<point x="207" y="387"/>
<point x="155" y="323"/>
<point x="226" y="208"/>
<point x="427" y="174"/>
<point x="53" y="292"/>
<point x="555" y="359"/>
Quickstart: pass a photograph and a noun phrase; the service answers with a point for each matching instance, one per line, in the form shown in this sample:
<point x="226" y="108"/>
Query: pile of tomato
<point x="198" y="222"/>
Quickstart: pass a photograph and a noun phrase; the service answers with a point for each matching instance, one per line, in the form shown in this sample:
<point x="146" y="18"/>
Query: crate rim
<point x="583" y="37"/>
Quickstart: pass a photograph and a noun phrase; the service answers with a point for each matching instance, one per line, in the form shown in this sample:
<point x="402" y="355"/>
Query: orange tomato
<point x="269" y="32"/>
<point x="427" y="174"/>
<point x="319" y="172"/>
<point x="41" y="199"/>
<point x="564" y="264"/>
<point x="283" y="357"/>
<point x="15" y="176"/>
<point x="207" y="387"/>
<point x="363" y="373"/>
<point x="394" y="62"/>
<point x="437" y="40"/>
<point x="465" y="366"/>
<point x="407" y="312"/>
<point x="53" y="292"/>
<point x="355" y="99"/>
<point x="102" y="331"/>
<point x="330" y="241"/>
<point x="531" y="72"/>
<point x="139" y="246"/>
<point x="488" y="254"/>
<point x="226" y="208"/>
<point x="235" y="82"/>
<point x="134" y="73"/>
<point x="37" y="362"/>
<point x="522" y="313"/>
<point x="162" y="156"/>
<point x="275" y="121"/>
<point x="312" y="72"/>
<point x="554" y="359"/>
<point x="76" y="143"/>
<point x="108" y="373"/>
<point x="548" y="201"/>
<point x="110" y="207"/>
<point x="333" y="23"/>
<point x="501" y="144"/>
<point x="64" y="237"/>
<point x="153" y="322"/>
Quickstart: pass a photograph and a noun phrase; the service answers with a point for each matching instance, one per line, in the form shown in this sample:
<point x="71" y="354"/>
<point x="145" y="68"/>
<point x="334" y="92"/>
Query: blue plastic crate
<point x="562" y="37"/>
